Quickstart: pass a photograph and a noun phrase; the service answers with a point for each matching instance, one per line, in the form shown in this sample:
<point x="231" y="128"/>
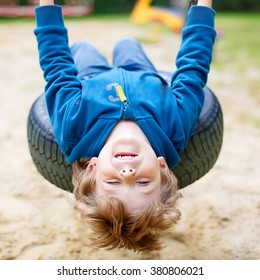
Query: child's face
<point x="129" y="170"/>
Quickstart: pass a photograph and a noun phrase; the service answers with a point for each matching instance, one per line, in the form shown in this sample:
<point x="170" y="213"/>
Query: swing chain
<point x="193" y="2"/>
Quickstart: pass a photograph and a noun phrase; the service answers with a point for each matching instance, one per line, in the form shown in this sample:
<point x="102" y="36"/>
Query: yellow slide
<point x="143" y="12"/>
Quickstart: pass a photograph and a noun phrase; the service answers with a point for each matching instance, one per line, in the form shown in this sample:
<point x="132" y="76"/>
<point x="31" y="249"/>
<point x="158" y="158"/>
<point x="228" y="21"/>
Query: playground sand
<point x="220" y="212"/>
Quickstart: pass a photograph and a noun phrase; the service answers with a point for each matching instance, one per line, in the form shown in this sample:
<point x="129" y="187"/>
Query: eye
<point x="113" y="182"/>
<point x="143" y="182"/>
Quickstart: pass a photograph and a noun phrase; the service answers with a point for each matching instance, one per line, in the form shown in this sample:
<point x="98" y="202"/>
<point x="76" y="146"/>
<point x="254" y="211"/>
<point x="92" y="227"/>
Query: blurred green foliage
<point x="23" y="2"/>
<point x="120" y="6"/>
<point x="237" y="5"/>
<point x="110" y="6"/>
<point x="125" y="6"/>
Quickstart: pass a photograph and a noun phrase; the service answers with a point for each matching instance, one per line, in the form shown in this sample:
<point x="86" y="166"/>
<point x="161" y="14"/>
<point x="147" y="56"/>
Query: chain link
<point x="193" y="2"/>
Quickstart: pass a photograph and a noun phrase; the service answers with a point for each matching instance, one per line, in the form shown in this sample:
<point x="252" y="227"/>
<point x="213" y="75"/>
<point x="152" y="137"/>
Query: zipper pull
<point x="121" y="94"/>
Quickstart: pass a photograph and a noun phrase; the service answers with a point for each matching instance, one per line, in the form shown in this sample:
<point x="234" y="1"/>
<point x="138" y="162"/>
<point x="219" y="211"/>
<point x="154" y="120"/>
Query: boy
<point x="123" y="127"/>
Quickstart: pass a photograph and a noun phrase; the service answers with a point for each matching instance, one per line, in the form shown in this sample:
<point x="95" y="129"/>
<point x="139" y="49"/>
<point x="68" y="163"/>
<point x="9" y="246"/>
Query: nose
<point x="126" y="172"/>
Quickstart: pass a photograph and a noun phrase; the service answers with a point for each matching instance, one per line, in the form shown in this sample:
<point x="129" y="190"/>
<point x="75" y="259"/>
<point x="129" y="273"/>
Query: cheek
<point x="99" y="189"/>
<point x="104" y="173"/>
<point x="152" y="170"/>
<point x="105" y="153"/>
<point x="151" y="161"/>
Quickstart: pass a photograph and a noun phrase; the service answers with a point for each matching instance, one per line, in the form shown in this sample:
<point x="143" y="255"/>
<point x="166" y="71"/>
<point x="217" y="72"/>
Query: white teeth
<point x="125" y="157"/>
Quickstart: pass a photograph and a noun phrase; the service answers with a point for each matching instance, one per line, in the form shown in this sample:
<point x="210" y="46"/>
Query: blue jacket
<point x="84" y="112"/>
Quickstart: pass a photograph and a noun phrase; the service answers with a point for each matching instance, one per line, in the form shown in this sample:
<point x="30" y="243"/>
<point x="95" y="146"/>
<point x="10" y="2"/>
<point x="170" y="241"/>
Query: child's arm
<point x="193" y="65"/>
<point x="63" y="88"/>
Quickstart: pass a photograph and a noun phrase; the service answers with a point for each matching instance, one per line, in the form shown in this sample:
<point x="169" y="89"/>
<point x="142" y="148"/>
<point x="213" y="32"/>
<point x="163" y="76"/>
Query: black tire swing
<point x="197" y="159"/>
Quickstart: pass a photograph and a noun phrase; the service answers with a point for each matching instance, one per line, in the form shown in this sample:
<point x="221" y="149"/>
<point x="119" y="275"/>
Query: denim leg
<point x="88" y="60"/>
<point x="129" y="55"/>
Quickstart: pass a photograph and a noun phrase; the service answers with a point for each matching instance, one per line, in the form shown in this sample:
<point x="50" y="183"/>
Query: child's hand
<point x="46" y="2"/>
<point x="207" y="3"/>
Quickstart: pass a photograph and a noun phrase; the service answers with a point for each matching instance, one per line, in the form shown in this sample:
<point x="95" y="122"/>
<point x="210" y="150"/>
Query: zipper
<point x="122" y="96"/>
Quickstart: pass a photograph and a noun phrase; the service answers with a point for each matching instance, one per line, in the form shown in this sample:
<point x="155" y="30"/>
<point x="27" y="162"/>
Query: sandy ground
<point x="220" y="212"/>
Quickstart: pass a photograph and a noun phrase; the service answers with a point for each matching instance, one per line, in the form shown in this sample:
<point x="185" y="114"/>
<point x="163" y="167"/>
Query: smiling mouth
<point x="125" y="155"/>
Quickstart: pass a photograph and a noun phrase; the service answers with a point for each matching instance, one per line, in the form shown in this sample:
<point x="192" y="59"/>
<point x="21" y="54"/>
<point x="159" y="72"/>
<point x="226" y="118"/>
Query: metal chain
<point x="193" y="2"/>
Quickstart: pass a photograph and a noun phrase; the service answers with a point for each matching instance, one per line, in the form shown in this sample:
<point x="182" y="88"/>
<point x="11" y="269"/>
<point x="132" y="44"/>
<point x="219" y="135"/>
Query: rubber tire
<point x="197" y="159"/>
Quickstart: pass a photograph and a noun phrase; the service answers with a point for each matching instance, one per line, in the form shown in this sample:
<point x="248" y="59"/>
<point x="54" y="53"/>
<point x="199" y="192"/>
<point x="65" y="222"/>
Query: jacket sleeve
<point x="63" y="87"/>
<point x="193" y="65"/>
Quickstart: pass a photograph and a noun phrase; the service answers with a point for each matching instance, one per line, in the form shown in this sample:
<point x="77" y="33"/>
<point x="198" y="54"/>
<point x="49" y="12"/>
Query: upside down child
<point x="122" y="126"/>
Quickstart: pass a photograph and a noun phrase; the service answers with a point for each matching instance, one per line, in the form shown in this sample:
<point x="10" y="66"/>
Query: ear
<point x="92" y="163"/>
<point x="163" y="163"/>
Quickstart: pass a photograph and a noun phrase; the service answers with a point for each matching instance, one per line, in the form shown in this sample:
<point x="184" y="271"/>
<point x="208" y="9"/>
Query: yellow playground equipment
<point x="143" y="12"/>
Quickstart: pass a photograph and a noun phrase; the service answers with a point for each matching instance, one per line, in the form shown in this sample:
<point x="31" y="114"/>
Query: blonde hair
<point x="113" y="227"/>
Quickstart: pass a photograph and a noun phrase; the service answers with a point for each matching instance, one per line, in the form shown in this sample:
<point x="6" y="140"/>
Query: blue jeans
<point x="127" y="54"/>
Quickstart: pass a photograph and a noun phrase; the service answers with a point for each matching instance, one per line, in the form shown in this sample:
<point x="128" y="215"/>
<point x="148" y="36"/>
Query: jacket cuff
<point x="49" y="15"/>
<point x="201" y="15"/>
